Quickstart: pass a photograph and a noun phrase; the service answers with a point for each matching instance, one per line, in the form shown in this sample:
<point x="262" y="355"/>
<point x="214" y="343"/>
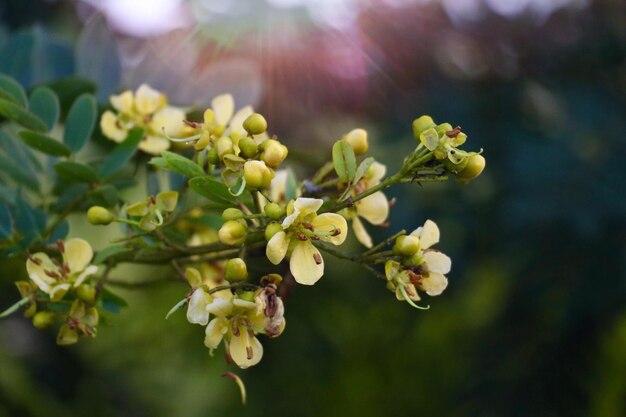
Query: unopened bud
<point x="274" y="153"/>
<point x="274" y="211"/>
<point x="257" y="174"/>
<point x="406" y="245"/>
<point x="422" y="124"/>
<point x="475" y="166"/>
<point x="67" y="336"/>
<point x="272" y="229"/>
<point x="233" y="232"/>
<point x="43" y="319"/>
<point x="224" y="146"/>
<point x="414" y="260"/>
<point x="212" y="156"/>
<point x="98" y="215"/>
<point x="236" y="270"/>
<point x="232" y="214"/>
<point x="248" y="147"/>
<point x="87" y="293"/>
<point x="255" y="124"/>
<point x="357" y="138"/>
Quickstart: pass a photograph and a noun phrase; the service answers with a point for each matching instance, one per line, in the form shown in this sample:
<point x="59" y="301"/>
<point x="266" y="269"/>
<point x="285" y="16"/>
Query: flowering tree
<point x="231" y="166"/>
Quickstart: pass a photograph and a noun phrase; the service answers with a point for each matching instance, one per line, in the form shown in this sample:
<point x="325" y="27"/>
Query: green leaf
<point x="181" y="165"/>
<point x="105" y="195"/>
<point x="344" y="160"/>
<point x="212" y="190"/>
<point x="363" y="167"/>
<point x="69" y="88"/>
<point x="106" y="253"/>
<point x="45" y="104"/>
<point x="291" y="186"/>
<point x="177" y="307"/>
<point x="122" y="153"/>
<point x="28" y="220"/>
<point x="14" y="91"/>
<point x="6" y="222"/>
<point x="18" y="174"/>
<point x="112" y="302"/>
<point x="15" y="112"/>
<point x="44" y="143"/>
<point x="73" y="171"/>
<point x="80" y="122"/>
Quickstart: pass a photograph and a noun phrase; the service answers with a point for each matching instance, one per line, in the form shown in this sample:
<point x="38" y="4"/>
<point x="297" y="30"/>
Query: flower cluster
<point x="147" y="109"/>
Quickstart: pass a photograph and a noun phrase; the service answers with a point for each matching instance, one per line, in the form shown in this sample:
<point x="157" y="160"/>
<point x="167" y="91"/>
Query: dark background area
<point x="533" y="322"/>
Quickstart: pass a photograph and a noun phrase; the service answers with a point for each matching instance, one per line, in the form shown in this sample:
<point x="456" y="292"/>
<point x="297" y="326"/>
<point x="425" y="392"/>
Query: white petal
<point x="434" y="283"/>
<point x="43" y="284"/>
<point x="373" y="208"/>
<point x="169" y="120"/>
<point x="110" y="128"/>
<point x="428" y="234"/>
<point x="90" y="270"/>
<point x="148" y="100"/>
<point x="329" y="222"/>
<point x="58" y="291"/>
<point x="220" y="307"/>
<point x="307" y="205"/>
<point x="375" y="173"/>
<point x="123" y="102"/>
<point x="244" y="349"/>
<point x="215" y="332"/>
<point x="277" y="247"/>
<point x="361" y="233"/>
<point x="278" y="186"/>
<point x="437" y="262"/>
<point x="154" y="145"/>
<point x="236" y="123"/>
<point x="306" y="264"/>
<point x="45" y="264"/>
<point x="78" y="254"/>
<point x="197" y="310"/>
<point x="224" y="107"/>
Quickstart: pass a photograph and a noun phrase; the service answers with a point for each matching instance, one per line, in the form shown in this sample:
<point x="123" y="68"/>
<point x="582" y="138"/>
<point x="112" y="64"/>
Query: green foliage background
<point x="534" y="320"/>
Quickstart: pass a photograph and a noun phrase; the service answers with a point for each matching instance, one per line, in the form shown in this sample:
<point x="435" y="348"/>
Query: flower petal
<point x="148" y="100"/>
<point x="437" y="261"/>
<point x="197" y="310"/>
<point x="244" y="349"/>
<point x="154" y="145"/>
<point x="361" y="233"/>
<point x="434" y="283"/>
<point x="169" y="120"/>
<point x="78" y="254"/>
<point x="307" y="205"/>
<point x="329" y="222"/>
<point x="278" y="186"/>
<point x="43" y="284"/>
<point x="277" y="247"/>
<point x="224" y="107"/>
<point x="220" y="307"/>
<point x="373" y="208"/>
<point x="123" y="102"/>
<point x="110" y="128"/>
<point x="57" y="292"/>
<point x="90" y="270"/>
<point x="306" y="264"/>
<point x="44" y="264"/>
<point x="236" y="123"/>
<point x="375" y="173"/>
<point x="428" y="234"/>
<point x="215" y="332"/>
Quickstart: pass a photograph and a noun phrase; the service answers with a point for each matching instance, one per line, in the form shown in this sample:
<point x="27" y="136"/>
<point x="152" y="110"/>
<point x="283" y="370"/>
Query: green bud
<point x="87" y="293"/>
<point x="257" y="174"/>
<point x="233" y="232"/>
<point x="421" y="124"/>
<point x="236" y="270"/>
<point x="212" y="156"/>
<point x="255" y="124"/>
<point x="43" y="319"/>
<point x="415" y="260"/>
<point x="443" y="128"/>
<point x="274" y="211"/>
<point x="357" y="139"/>
<point x="247" y="296"/>
<point x="224" y="146"/>
<point x="66" y="336"/>
<point x="248" y="147"/>
<point x="274" y="153"/>
<point x="406" y="245"/>
<point x="272" y="229"/>
<point x="232" y="214"/>
<point x="98" y="215"/>
<point x="475" y="166"/>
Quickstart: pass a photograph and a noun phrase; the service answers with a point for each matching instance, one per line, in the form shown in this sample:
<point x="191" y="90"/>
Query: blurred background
<point x="534" y="320"/>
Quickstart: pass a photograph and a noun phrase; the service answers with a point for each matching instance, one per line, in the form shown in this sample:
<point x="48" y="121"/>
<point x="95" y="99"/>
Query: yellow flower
<point x="148" y="100"/>
<point x="112" y="127"/>
<point x="373" y="208"/>
<point x="56" y="278"/>
<point x="302" y="225"/>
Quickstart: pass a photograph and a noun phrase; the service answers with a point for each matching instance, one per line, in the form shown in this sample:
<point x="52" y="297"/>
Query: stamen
<point x="308" y="226"/>
<point x="51" y="274"/>
<point x="249" y="352"/>
<point x="60" y="246"/>
<point x="454" y="133"/>
<point x="301" y="236"/>
<point x="235" y="328"/>
<point x="34" y="260"/>
<point x="318" y="258"/>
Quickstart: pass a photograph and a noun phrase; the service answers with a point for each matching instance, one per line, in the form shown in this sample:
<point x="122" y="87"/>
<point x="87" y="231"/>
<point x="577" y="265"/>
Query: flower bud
<point x="274" y="211"/>
<point x="414" y="260"/>
<point x="272" y="229"/>
<point x="87" y="293"/>
<point x="248" y="147"/>
<point x="255" y="124"/>
<point x="98" y="215"/>
<point x="443" y="128"/>
<point x="475" y="166"/>
<point x="232" y="214"/>
<point x="274" y="153"/>
<point x="43" y="319"/>
<point x="236" y="270"/>
<point x="212" y="156"/>
<point x="233" y="232"/>
<point x="357" y="138"/>
<point x="421" y="124"/>
<point x="257" y="174"/>
<point x="66" y="336"/>
<point x="406" y="245"/>
<point x="224" y="146"/>
<point x="456" y="168"/>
